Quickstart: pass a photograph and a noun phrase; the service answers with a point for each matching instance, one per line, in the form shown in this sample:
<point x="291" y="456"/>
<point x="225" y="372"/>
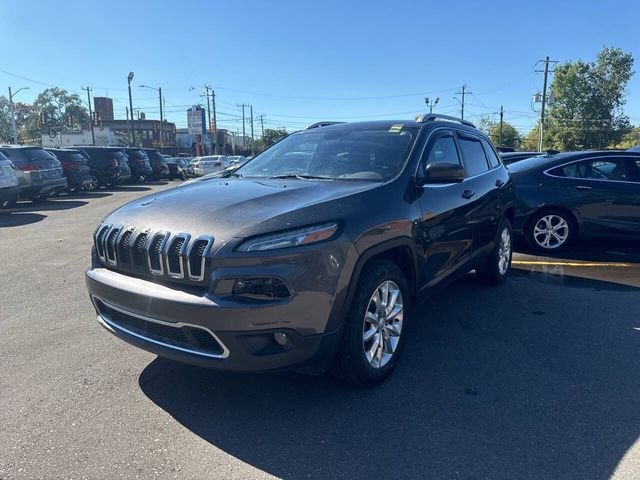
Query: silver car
<point x="9" y="189"/>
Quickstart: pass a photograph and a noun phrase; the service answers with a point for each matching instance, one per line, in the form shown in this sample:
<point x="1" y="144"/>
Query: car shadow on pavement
<point x="523" y="381"/>
<point x="56" y="203"/>
<point x="128" y="188"/>
<point x="593" y="250"/>
<point x="84" y="194"/>
<point x="17" y="219"/>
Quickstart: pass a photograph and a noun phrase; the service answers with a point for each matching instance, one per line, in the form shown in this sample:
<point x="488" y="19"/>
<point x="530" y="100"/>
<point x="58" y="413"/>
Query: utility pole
<point x="215" y="124"/>
<point x="93" y="136"/>
<point x="206" y="88"/>
<point x="463" y="93"/>
<point x="13" y="113"/>
<point x="253" y="141"/>
<point x="161" y="131"/>
<point x="243" y="126"/>
<point x="546" y="62"/>
<point x="261" y="117"/>
<point x="501" y="117"/>
<point x="133" y="129"/>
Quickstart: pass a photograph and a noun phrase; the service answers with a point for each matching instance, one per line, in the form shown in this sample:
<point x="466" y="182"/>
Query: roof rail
<point x="321" y="124"/>
<point x="432" y="117"/>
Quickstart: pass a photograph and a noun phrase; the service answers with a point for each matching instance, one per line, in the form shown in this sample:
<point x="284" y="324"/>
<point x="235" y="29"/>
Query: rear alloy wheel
<point x="497" y="268"/>
<point x="94" y="184"/>
<point x="374" y="332"/>
<point x="549" y="231"/>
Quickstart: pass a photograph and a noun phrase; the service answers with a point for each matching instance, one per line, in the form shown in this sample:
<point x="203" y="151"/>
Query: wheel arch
<point x="400" y="251"/>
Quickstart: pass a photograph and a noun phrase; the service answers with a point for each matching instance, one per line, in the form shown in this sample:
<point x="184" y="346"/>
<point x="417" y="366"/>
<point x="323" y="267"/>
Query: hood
<point x="224" y="208"/>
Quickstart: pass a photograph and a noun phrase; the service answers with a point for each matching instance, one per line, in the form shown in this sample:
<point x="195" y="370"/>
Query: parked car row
<point x="35" y="173"/>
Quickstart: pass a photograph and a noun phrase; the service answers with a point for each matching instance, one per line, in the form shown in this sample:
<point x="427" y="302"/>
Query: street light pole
<point x="133" y="130"/>
<point x="13" y="113"/>
<point x="161" y="130"/>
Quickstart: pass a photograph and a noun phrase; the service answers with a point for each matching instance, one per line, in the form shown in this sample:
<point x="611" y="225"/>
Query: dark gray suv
<point x="311" y="255"/>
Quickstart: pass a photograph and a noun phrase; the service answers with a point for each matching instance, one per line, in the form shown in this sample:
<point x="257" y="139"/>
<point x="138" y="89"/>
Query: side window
<point x="475" y="161"/>
<point x="597" y="169"/>
<point x="443" y="150"/>
<point x="490" y="153"/>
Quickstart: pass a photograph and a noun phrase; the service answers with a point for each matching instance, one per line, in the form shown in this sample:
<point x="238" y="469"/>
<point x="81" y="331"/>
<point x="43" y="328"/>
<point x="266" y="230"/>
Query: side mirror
<point x="443" y="172"/>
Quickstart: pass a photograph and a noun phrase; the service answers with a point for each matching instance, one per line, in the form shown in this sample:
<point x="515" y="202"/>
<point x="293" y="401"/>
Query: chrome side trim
<point x="209" y="241"/>
<point x="150" y="241"/>
<point x="113" y="327"/>
<point x="181" y="254"/>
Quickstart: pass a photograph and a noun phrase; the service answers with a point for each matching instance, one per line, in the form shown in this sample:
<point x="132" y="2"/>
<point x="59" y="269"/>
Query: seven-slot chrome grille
<point x="159" y="253"/>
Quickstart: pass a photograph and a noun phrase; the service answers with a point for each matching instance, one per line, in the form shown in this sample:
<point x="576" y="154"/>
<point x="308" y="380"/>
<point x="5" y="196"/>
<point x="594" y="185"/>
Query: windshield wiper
<point x="302" y="177"/>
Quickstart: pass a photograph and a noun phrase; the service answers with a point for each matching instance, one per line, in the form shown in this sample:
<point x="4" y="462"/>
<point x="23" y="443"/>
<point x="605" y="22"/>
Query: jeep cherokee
<point x="311" y="255"/>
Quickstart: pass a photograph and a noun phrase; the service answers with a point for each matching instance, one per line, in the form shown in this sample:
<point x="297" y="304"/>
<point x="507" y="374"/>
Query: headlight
<point x="292" y="238"/>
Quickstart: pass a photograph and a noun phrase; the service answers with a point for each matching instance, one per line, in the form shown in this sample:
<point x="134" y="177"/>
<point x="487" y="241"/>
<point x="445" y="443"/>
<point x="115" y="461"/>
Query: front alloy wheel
<point x="382" y="324"/>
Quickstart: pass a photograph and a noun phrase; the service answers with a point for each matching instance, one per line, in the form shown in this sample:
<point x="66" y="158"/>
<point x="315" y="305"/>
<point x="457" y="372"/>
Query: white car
<point x="208" y="164"/>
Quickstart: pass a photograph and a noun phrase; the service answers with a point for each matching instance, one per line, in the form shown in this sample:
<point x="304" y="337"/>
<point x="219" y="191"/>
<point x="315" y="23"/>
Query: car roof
<point x="67" y="150"/>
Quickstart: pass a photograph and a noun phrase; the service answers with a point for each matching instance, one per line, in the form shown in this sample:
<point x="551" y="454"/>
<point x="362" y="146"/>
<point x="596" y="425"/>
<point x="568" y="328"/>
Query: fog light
<point x="280" y="338"/>
<point x="260" y="288"/>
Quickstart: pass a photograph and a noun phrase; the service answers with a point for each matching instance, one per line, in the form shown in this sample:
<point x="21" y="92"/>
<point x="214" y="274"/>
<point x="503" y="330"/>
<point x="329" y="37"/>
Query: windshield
<point x="345" y="152"/>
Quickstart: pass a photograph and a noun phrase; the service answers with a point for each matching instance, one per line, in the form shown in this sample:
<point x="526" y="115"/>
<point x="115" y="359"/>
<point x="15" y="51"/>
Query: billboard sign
<point x="195" y="120"/>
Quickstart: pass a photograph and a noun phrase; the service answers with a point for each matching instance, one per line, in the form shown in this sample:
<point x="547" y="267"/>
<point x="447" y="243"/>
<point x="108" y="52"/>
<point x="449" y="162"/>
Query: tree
<point x="530" y="141"/>
<point x="587" y="102"/>
<point x="270" y="137"/>
<point x="6" y="132"/>
<point x="630" y="139"/>
<point x="510" y="136"/>
<point x="57" y="106"/>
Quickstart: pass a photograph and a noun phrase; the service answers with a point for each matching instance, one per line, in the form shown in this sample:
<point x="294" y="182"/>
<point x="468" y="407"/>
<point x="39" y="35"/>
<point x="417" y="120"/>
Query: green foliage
<point x="530" y="141"/>
<point x="588" y="98"/>
<point x="6" y="134"/>
<point x="270" y="137"/>
<point x="510" y="136"/>
<point x="56" y="104"/>
<point x="630" y="139"/>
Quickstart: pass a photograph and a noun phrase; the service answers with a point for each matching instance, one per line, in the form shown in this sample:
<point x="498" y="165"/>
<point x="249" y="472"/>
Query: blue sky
<point x="300" y="62"/>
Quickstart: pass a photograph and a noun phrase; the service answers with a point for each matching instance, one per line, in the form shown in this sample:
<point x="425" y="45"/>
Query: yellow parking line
<point x="571" y="264"/>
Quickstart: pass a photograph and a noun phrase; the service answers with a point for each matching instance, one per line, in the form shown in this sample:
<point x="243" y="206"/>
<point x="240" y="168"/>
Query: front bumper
<point x="243" y="330"/>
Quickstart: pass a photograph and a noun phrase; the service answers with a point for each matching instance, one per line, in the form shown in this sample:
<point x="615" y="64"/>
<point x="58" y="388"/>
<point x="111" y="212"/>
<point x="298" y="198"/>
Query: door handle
<point x="468" y="194"/>
<point x="583" y="187"/>
<point x="499" y="183"/>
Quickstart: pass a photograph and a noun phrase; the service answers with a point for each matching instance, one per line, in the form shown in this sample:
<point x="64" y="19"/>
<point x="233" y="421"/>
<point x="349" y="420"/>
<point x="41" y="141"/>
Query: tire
<point x="183" y="176"/>
<point x="561" y="233"/>
<point x="496" y="271"/>
<point x="95" y="182"/>
<point x="351" y="364"/>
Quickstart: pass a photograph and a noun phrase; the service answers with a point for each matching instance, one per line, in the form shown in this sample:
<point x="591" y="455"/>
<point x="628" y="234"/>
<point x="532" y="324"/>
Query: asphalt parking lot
<point x="536" y="379"/>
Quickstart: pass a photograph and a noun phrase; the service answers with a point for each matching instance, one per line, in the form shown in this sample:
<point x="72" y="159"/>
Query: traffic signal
<point x="154" y="126"/>
<point x="173" y="128"/>
<point x="95" y="118"/>
<point x="43" y="118"/>
<point x="69" y="120"/>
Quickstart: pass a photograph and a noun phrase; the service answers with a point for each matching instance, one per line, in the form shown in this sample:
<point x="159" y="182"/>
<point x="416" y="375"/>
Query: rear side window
<point x="490" y="153"/>
<point x="475" y="161"/>
<point x="597" y="169"/>
<point x="444" y="150"/>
